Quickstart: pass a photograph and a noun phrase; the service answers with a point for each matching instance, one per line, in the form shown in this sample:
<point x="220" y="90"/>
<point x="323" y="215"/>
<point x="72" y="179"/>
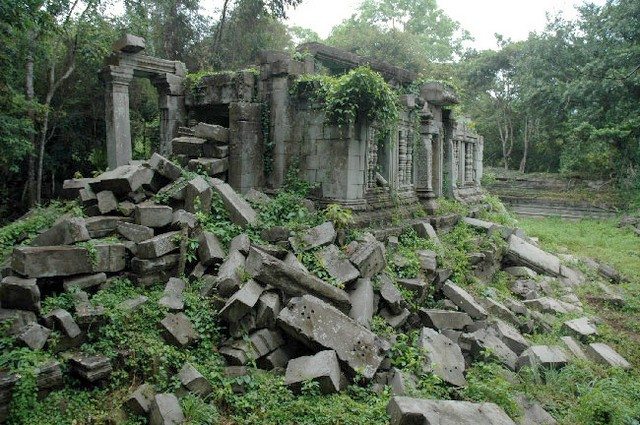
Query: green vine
<point x="360" y="93"/>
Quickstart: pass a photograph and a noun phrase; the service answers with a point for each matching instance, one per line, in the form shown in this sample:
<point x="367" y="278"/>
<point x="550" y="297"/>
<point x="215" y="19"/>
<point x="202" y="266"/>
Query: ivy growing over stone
<point x="360" y="93"/>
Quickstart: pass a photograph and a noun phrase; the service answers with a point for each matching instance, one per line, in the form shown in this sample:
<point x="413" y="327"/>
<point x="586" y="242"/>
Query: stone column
<point x="118" y="125"/>
<point x="171" y="103"/>
<point x="424" y="163"/>
<point x="478" y="152"/>
<point x="461" y="162"/>
<point x="468" y="164"/>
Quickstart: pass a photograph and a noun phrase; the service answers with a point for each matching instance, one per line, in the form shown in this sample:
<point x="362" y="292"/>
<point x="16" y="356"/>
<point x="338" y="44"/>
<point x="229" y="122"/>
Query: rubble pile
<point x="276" y="313"/>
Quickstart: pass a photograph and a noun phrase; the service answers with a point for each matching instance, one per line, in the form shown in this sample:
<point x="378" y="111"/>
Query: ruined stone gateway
<point x="248" y="128"/>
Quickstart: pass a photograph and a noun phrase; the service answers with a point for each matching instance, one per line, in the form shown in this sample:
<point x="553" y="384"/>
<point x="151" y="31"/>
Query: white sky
<point x="513" y="19"/>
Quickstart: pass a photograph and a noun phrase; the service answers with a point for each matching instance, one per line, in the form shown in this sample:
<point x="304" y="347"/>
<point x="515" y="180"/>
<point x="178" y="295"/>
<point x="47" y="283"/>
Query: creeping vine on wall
<point x="360" y="93"/>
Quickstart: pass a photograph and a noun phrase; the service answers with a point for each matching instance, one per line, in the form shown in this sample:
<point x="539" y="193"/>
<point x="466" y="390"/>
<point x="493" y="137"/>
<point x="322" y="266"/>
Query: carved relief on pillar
<point x="408" y="175"/>
<point x="402" y="157"/>
<point x="468" y="171"/>
<point x="372" y="162"/>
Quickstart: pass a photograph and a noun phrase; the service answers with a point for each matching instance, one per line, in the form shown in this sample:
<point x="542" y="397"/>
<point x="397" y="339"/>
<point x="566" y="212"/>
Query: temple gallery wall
<point x="248" y="128"/>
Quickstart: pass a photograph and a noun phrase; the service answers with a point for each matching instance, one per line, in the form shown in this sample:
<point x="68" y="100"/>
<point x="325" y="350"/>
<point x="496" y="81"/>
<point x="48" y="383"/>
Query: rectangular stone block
<point x="153" y="215"/>
<point x="315" y="322"/>
<point x="159" y="245"/>
<point x="51" y="261"/>
<point x="269" y="270"/>
<point x="418" y="411"/>
<point x="123" y="180"/>
<point x="522" y="253"/>
<point x="240" y="212"/>
<point x="322" y="368"/>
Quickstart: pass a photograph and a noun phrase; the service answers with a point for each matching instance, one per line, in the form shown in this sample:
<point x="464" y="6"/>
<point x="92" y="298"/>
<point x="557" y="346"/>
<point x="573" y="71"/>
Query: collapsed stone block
<point x="581" y="328"/>
<point x="522" y="253"/>
<point x="444" y="319"/>
<point x="269" y="307"/>
<point x="395" y="320"/>
<point x="551" y="306"/>
<point x="122" y="180"/>
<point x="362" y="303"/>
<point x="464" y="301"/>
<point x="414" y="411"/>
<point x="62" y="320"/>
<point x="172" y="296"/>
<point x="153" y="215"/>
<point x="547" y="356"/>
<point x="16" y="319"/>
<point x="107" y="202"/>
<point x="425" y="230"/>
<point x="305" y="318"/>
<point x="178" y="330"/>
<point x="198" y="195"/>
<point x="229" y="278"/>
<point x="154" y="265"/>
<point x="369" y="258"/>
<point x="324" y="234"/>
<point x="391" y="295"/>
<point x="573" y="347"/>
<point x="269" y="270"/>
<point x="84" y="282"/>
<point x="135" y="232"/>
<point x="133" y="304"/>
<point x="20" y="294"/>
<point x="242" y="302"/>
<point x="211" y="166"/>
<point x="109" y="257"/>
<point x="322" y="367"/>
<point x="91" y="368"/>
<point x="215" y="133"/>
<point x="139" y="402"/>
<point x="51" y="261"/>
<point x="603" y="354"/>
<point x="34" y="336"/>
<point x="164" y="167"/>
<point x="100" y="227"/>
<point x="165" y="409"/>
<point x="417" y="286"/>
<point x="443" y="356"/>
<point x="193" y="381"/>
<point x="337" y="265"/>
<point x="65" y="232"/>
<point x="240" y="243"/>
<point x="260" y="343"/>
<point x="533" y="412"/>
<point x="240" y="212"/>
<point x="510" y="336"/>
<point x="210" y="250"/>
<point x="192" y="147"/>
<point x="159" y="245"/>
<point x="484" y="340"/>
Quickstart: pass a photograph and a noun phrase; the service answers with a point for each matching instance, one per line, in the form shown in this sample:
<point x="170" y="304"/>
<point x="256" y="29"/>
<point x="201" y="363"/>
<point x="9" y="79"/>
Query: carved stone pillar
<point x="372" y="159"/>
<point x="468" y="163"/>
<point x="402" y="157"/>
<point x="118" y="125"/>
<point x="171" y="103"/>
<point x="478" y="152"/>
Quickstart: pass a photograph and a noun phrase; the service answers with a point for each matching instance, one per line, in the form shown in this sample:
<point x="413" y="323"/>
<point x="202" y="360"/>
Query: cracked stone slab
<point x="464" y="300"/>
<point x="269" y="270"/>
<point x="417" y="411"/>
<point x="337" y="265"/>
<point x="316" y="323"/>
<point x="582" y="328"/>
<point x="547" y="356"/>
<point x="603" y="354"/>
<point x="323" y="234"/>
<point x="523" y="253"/>
<point x="444" y="319"/>
<point x="322" y="367"/>
<point x="444" y="357"/>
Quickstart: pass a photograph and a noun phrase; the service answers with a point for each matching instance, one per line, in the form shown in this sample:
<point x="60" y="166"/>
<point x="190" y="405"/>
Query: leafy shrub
<point x="340" y="216"/>
<point x="361" y="92"/>
<point x="486" y="382"/>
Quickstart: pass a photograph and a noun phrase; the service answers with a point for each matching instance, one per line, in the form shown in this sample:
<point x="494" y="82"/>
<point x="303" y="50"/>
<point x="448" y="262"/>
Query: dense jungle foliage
<point x="565" y="99"/>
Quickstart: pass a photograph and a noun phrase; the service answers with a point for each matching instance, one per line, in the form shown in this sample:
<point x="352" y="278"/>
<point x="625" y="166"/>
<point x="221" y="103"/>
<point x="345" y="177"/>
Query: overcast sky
<point x="482" y="18"/>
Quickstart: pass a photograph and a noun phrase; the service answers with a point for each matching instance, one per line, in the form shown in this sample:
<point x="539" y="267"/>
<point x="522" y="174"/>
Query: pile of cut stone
<point x="203" y="147"/>
<point x="278" y="315"/>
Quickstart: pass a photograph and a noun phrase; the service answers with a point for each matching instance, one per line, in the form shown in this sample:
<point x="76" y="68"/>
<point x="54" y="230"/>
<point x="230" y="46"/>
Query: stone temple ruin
<point x="257" y="130"/>
<point x="275" y="313"/>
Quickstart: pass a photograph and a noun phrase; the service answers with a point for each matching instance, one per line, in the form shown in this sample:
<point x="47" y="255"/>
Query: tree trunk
<point x="31" y="114"/>
<point x="525" y="145"/>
